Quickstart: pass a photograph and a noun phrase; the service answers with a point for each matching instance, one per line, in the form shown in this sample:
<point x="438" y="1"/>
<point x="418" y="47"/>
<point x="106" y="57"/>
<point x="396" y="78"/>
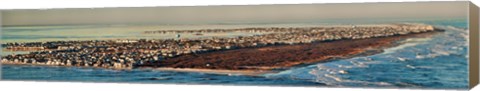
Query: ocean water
<point x="437" y="62"/>
<point x="107" y="32"/>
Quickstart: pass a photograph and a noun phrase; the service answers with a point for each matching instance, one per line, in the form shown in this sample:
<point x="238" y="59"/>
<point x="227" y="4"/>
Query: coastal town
<point x="134" y="53"/>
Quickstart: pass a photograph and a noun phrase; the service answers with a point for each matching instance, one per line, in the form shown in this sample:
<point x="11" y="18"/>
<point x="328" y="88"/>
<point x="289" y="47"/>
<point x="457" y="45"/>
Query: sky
<point x="234" y="14"/>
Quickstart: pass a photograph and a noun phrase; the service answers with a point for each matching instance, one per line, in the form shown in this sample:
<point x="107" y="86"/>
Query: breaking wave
<point x="414" y="63"/>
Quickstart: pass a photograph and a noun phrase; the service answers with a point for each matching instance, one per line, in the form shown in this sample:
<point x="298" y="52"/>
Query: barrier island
<point x="277" y="48"/>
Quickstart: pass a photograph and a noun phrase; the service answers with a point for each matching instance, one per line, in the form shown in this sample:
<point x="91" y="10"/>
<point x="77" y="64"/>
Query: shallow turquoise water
<point x="436" y="62"/>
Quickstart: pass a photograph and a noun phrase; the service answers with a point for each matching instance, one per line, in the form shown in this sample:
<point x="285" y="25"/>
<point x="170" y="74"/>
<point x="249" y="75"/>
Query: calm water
<point x="436" y="62"/>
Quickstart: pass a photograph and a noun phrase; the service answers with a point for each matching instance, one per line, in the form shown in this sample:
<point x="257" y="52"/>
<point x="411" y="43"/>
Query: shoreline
<point x="209" y="71"/>
<point x="217" y="71"/>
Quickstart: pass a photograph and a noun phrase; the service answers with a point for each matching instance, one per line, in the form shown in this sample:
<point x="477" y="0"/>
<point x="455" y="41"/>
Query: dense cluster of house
<point x="125" y="54"/>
